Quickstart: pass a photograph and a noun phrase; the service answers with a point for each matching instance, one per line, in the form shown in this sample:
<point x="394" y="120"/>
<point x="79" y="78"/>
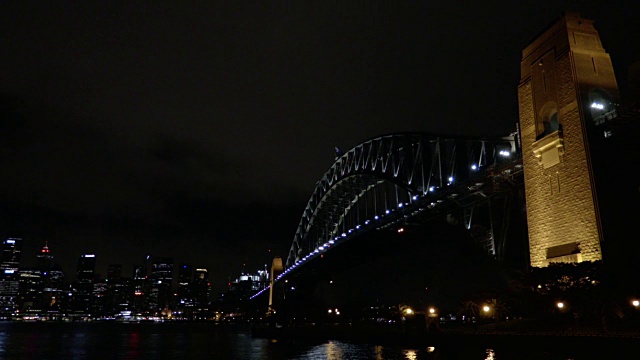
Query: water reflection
<point x="491" y="355"/>
<point x="206" y="341"/>
<point x="133" y="346"/>
<point x="78" y="345"/>
<point x="378" y="351"/>
<point x="410" y="354"/>
<point x="333" y="352"/>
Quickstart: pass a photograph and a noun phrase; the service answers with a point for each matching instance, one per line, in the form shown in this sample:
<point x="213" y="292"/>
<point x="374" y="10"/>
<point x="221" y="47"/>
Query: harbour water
<point x="110" y="340"/>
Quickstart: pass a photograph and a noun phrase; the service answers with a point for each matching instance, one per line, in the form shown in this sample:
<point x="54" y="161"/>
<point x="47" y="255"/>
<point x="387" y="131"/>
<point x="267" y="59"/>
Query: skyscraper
<point x="11" y="250"/>
<point x="161" y="284"/>
<point x="84" y="282"/>
<point x="114" y="272"/>
<point x="30" y="299"/>
<point x="140" y="288"/>
<point x="185" y="276"/>
<point x="44" y="259"/>
<point x="117" y="295"/>
<point x="201" y="288"/>
<point x="9" y="275"/>
<point x="54" y="293"/>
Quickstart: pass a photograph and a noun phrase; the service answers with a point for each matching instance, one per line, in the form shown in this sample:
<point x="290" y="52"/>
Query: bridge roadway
<point x="426" y="176"/>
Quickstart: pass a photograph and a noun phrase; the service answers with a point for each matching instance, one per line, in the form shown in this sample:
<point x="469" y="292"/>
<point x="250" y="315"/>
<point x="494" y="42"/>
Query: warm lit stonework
<point x="567" y="80"/>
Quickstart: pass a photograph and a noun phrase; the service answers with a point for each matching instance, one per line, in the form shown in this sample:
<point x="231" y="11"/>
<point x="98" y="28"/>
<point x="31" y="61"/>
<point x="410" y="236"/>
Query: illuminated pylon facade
<point x="567" y="90"/>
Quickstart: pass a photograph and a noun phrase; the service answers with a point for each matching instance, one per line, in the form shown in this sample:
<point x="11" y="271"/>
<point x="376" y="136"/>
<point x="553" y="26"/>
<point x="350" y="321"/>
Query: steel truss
<point x="391" y="175"/>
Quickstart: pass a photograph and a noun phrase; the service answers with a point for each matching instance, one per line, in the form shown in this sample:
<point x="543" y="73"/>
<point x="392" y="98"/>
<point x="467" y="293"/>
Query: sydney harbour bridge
<point x="429" y="187"/>
<point x="396" y="181"/>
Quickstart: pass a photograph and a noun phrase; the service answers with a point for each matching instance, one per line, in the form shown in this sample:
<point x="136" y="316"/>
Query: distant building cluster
<point x="156" y="290"/>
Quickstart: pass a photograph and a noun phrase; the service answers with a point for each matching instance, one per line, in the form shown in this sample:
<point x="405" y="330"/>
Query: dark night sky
<point x="198" y="130"/>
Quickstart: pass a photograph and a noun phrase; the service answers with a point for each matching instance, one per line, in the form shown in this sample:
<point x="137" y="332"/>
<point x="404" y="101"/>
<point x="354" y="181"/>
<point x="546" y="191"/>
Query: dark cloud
<point x="199" y="130"/>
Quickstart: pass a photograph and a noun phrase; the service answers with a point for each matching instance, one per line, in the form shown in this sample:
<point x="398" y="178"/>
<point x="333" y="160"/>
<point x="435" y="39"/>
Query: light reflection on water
<point x="338" y="350"/>
<point x="411" y="354"/>
<point x="132" y="345"/>
<point x="378" y="352"/>
<point x="491" y="355"/>
<point x="43" y="341"/>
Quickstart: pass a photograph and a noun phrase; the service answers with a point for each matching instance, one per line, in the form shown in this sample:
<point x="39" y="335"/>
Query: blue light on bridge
<point x="387" y="211"/>
<point x="474" y="167"/>
<point x="260" y="292"/>
<point x="432" y="188"/>
<point x="415" y="197"/>
<point x="377" y="217"/>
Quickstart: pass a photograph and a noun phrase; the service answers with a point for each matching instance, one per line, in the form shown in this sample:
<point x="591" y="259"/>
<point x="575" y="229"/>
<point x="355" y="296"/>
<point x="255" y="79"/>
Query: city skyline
<point x="157" y="287"/>
<point x="200" y="131"/>
<point x="127" y="269"/>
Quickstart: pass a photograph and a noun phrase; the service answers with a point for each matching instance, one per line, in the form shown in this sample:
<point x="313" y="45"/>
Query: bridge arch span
<point x="383" y="179"/>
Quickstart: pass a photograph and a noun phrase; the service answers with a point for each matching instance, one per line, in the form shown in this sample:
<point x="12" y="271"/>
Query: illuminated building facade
<point x="247" y="284"/>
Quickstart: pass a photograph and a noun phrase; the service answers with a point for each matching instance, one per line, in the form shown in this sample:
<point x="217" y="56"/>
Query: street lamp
<point x="408" y="311"/>
<point x="635" y="303"/>
<point x="560" y="305"/>
<point x="432" y="312"/>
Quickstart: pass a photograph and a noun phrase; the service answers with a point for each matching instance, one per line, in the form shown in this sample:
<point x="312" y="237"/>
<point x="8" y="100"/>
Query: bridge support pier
<point x="277" y="268"/>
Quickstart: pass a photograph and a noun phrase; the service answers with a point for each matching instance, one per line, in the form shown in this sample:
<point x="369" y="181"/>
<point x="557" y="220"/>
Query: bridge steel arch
<point x="385" y="179"/>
